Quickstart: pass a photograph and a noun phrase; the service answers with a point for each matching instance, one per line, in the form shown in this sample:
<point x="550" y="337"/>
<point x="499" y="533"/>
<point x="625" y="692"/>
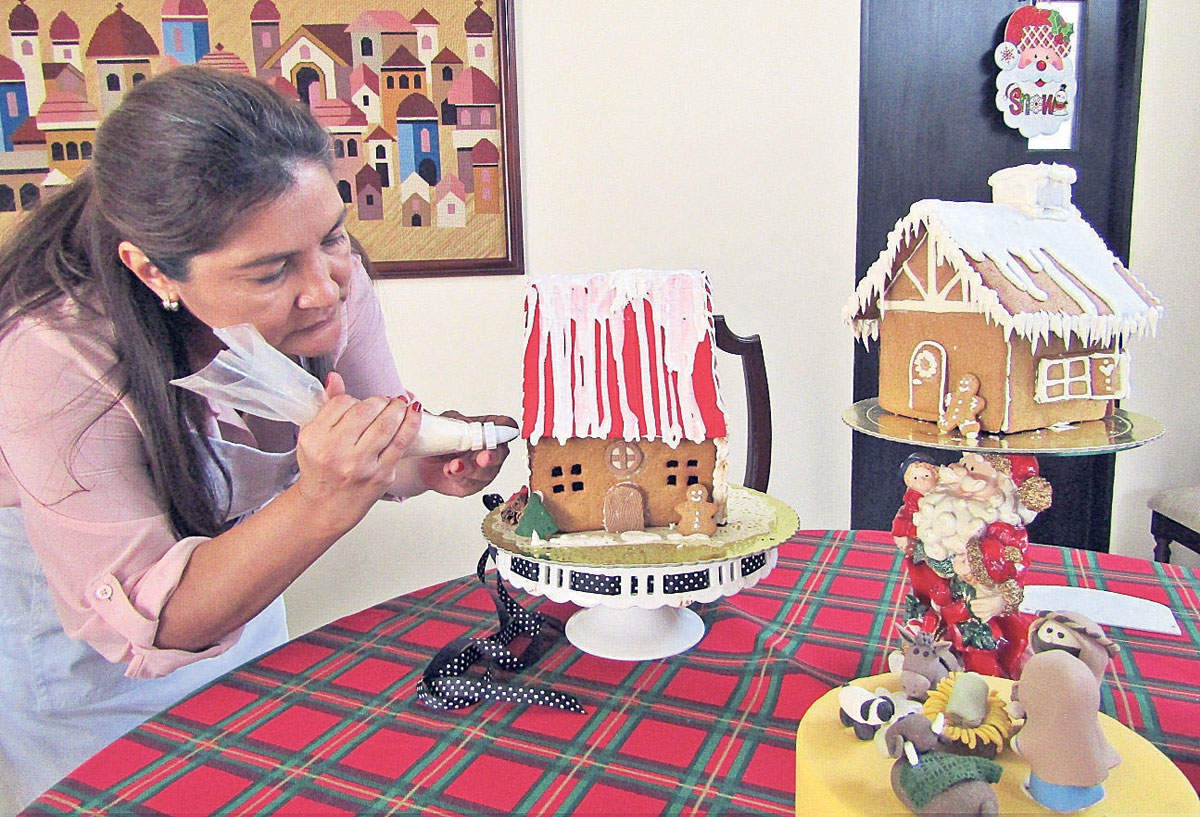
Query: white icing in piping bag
<point x="253" y="376"/>
<point x="445" y="435"/>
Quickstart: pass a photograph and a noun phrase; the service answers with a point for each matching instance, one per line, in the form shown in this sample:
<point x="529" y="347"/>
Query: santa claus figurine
<point x="965" y="543"/>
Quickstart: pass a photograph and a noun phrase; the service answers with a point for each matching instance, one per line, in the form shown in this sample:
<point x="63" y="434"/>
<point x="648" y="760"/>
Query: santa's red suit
<point x="902" y="524"/>
<point x="1001" y="556"/>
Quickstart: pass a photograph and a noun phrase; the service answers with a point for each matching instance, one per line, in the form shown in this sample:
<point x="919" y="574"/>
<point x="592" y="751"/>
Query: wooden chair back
<point x="758" y="402"/>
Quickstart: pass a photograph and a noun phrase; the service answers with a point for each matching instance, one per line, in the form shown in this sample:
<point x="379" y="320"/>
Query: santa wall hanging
<point x="1035" y="89"/>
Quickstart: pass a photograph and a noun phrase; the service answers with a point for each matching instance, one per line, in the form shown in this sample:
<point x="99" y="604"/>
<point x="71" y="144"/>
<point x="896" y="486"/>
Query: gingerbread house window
<point x="1086" y="377"/>
<point x="576" y="486"/>
<point x="624" y="457"/>
<point x="556" y="471"/>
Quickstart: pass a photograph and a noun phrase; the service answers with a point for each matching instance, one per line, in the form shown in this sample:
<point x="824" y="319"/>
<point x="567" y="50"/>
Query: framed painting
<point x="418" y="96"/>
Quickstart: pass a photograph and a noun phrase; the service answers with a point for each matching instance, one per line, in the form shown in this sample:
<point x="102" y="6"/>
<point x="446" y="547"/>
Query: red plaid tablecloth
<point x="329" y="723"/>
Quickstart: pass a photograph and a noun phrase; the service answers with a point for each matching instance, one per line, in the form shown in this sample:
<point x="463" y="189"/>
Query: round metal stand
<point x="1117" y="432"/>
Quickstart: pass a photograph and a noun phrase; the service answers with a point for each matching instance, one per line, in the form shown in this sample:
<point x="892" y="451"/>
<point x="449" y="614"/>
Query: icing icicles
<point x="627" y="354"/>
<point x="1057" y="262"/>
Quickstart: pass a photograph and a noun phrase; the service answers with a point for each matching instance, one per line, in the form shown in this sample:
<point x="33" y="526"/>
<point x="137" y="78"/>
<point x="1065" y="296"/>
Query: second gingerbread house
<point x="1014" y="310"/>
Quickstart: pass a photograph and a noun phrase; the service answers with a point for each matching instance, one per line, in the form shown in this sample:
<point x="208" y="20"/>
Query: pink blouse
<point x="84" y="488"/>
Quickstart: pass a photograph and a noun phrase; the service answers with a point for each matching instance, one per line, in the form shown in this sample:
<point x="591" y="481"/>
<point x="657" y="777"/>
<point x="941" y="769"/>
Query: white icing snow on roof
<point x="624" y="354"/>
<point x="1109" y="303"/>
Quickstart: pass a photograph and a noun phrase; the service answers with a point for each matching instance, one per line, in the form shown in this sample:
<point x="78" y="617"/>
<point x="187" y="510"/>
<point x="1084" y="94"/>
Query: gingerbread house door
<point x="927" y="379"/>
<point x="624" y="508"/>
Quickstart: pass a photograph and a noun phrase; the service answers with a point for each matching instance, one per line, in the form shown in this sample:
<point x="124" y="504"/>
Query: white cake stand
<point x="639" y="612"/>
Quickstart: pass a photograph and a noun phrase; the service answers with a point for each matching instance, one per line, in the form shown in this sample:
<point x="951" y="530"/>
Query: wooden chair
<point x="758" y="402"/>
<point x="1175" y="517"/>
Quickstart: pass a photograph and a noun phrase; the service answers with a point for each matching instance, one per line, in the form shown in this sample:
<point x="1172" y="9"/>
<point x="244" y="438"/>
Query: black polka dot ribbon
<point x="445" y="683"/>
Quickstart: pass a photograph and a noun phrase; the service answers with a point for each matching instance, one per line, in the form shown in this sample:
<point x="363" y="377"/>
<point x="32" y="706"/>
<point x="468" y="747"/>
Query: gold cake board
<point x="635" y="601"/>
<point x="1119" y="431"/>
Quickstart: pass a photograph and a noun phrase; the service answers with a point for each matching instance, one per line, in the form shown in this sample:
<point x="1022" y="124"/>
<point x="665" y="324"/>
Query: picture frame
<point x="419" y="98"/>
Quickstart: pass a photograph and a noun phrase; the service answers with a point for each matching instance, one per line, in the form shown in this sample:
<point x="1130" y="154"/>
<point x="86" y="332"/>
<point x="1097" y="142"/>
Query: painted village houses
<point x="476" y="100"/>
<point x="64" y="41"/>
<point x="426" y="26"/>
<point x="317" y="59"/>
<point x="451" y="196"/>
<point x="445" y="69"/>
<point x="23" y="37"/>
<point x="1020" y="292"/>
<point x="621" y="407"/>
<point x="224" y="60"/>
<point x="480" y="28"/>
<point x="122" y="49"/>
<point x="377" y="34"/>
<point x="364" y="92"/>
<point x="264" y="33"/>
<point x="417" y="196"/>
<point x="368" y="192"/>
<point x="384" y="83"/>
<point x="185" y="30"/>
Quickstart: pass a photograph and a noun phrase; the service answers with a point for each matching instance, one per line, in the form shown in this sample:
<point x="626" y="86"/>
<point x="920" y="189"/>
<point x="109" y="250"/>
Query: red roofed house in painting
<point x="622" y="409"/>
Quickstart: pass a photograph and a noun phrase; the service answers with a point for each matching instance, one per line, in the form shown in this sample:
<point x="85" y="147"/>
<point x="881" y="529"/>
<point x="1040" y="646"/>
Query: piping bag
<point x="253" y="376"/>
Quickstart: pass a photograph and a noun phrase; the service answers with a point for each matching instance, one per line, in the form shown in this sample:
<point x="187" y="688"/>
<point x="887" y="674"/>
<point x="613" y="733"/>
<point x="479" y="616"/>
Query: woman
<point x="145" y="534"/>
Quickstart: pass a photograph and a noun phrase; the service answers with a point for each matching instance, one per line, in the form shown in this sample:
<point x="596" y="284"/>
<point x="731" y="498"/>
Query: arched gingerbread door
<point x="927" y="379"/>
<point x="624" y="508"/>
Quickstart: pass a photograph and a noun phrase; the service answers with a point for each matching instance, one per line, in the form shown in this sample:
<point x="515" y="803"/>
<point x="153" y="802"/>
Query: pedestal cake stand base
<point x="634" y="633"/>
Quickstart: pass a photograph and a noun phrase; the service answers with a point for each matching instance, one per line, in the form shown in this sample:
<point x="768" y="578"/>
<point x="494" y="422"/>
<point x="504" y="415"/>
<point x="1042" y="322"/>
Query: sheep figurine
<point x="922" y="662"/>
<point x="931" y="782"/>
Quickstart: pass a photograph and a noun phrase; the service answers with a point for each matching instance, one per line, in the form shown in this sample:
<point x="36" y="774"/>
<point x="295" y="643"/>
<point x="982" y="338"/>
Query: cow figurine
<point x="922" y="662"/>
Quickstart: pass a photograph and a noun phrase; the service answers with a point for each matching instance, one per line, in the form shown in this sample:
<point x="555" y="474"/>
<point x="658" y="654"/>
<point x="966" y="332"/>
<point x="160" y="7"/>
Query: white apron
<point x="60" y="700"/>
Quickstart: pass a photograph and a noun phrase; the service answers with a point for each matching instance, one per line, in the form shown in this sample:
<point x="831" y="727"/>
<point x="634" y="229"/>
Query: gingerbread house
<point x="1021" y="293"/>
<point x="622" y="410"/>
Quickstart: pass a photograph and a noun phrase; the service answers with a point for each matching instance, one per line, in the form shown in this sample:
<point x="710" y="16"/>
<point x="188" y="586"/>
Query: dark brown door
<point x="929" y="128"/>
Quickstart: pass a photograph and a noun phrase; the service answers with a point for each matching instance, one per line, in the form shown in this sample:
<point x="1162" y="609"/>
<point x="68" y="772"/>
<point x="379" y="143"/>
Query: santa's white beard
<point x="946" y="521"/>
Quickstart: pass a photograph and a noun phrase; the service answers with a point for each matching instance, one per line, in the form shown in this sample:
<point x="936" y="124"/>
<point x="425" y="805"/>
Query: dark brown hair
<point x="176" y="168"/>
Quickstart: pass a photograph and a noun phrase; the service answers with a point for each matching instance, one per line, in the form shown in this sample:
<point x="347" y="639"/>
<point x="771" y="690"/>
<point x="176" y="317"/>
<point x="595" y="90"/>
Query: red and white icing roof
<point x="621" y="355"/>
<point x="1041" y="251"/>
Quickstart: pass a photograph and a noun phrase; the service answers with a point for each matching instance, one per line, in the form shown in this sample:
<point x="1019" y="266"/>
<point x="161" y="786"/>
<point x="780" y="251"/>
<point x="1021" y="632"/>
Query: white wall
<point x="1165" y="254"/>
<point x="728" y="141"/>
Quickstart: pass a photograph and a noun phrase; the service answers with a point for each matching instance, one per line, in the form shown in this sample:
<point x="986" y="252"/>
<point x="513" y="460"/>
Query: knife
<point x="1101" y="606"/>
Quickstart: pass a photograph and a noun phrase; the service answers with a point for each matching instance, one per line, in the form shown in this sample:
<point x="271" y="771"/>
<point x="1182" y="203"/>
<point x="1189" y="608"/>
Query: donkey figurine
<point x="924" y="662"/>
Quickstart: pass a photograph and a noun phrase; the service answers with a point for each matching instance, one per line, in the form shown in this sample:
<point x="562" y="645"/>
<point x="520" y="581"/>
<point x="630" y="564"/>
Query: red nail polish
<point x="416" y="405"/>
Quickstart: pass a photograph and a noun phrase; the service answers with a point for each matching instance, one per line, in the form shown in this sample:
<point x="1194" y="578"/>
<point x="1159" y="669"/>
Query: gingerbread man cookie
<point x="696" y="513"/>
<point x="963" y="407"/>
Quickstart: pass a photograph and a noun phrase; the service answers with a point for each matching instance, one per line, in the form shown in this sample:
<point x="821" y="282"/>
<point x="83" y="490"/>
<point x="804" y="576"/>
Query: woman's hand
<point x="348" y="458"/>
<point x="348" y="454"/>
<point x="465" y="473"/>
